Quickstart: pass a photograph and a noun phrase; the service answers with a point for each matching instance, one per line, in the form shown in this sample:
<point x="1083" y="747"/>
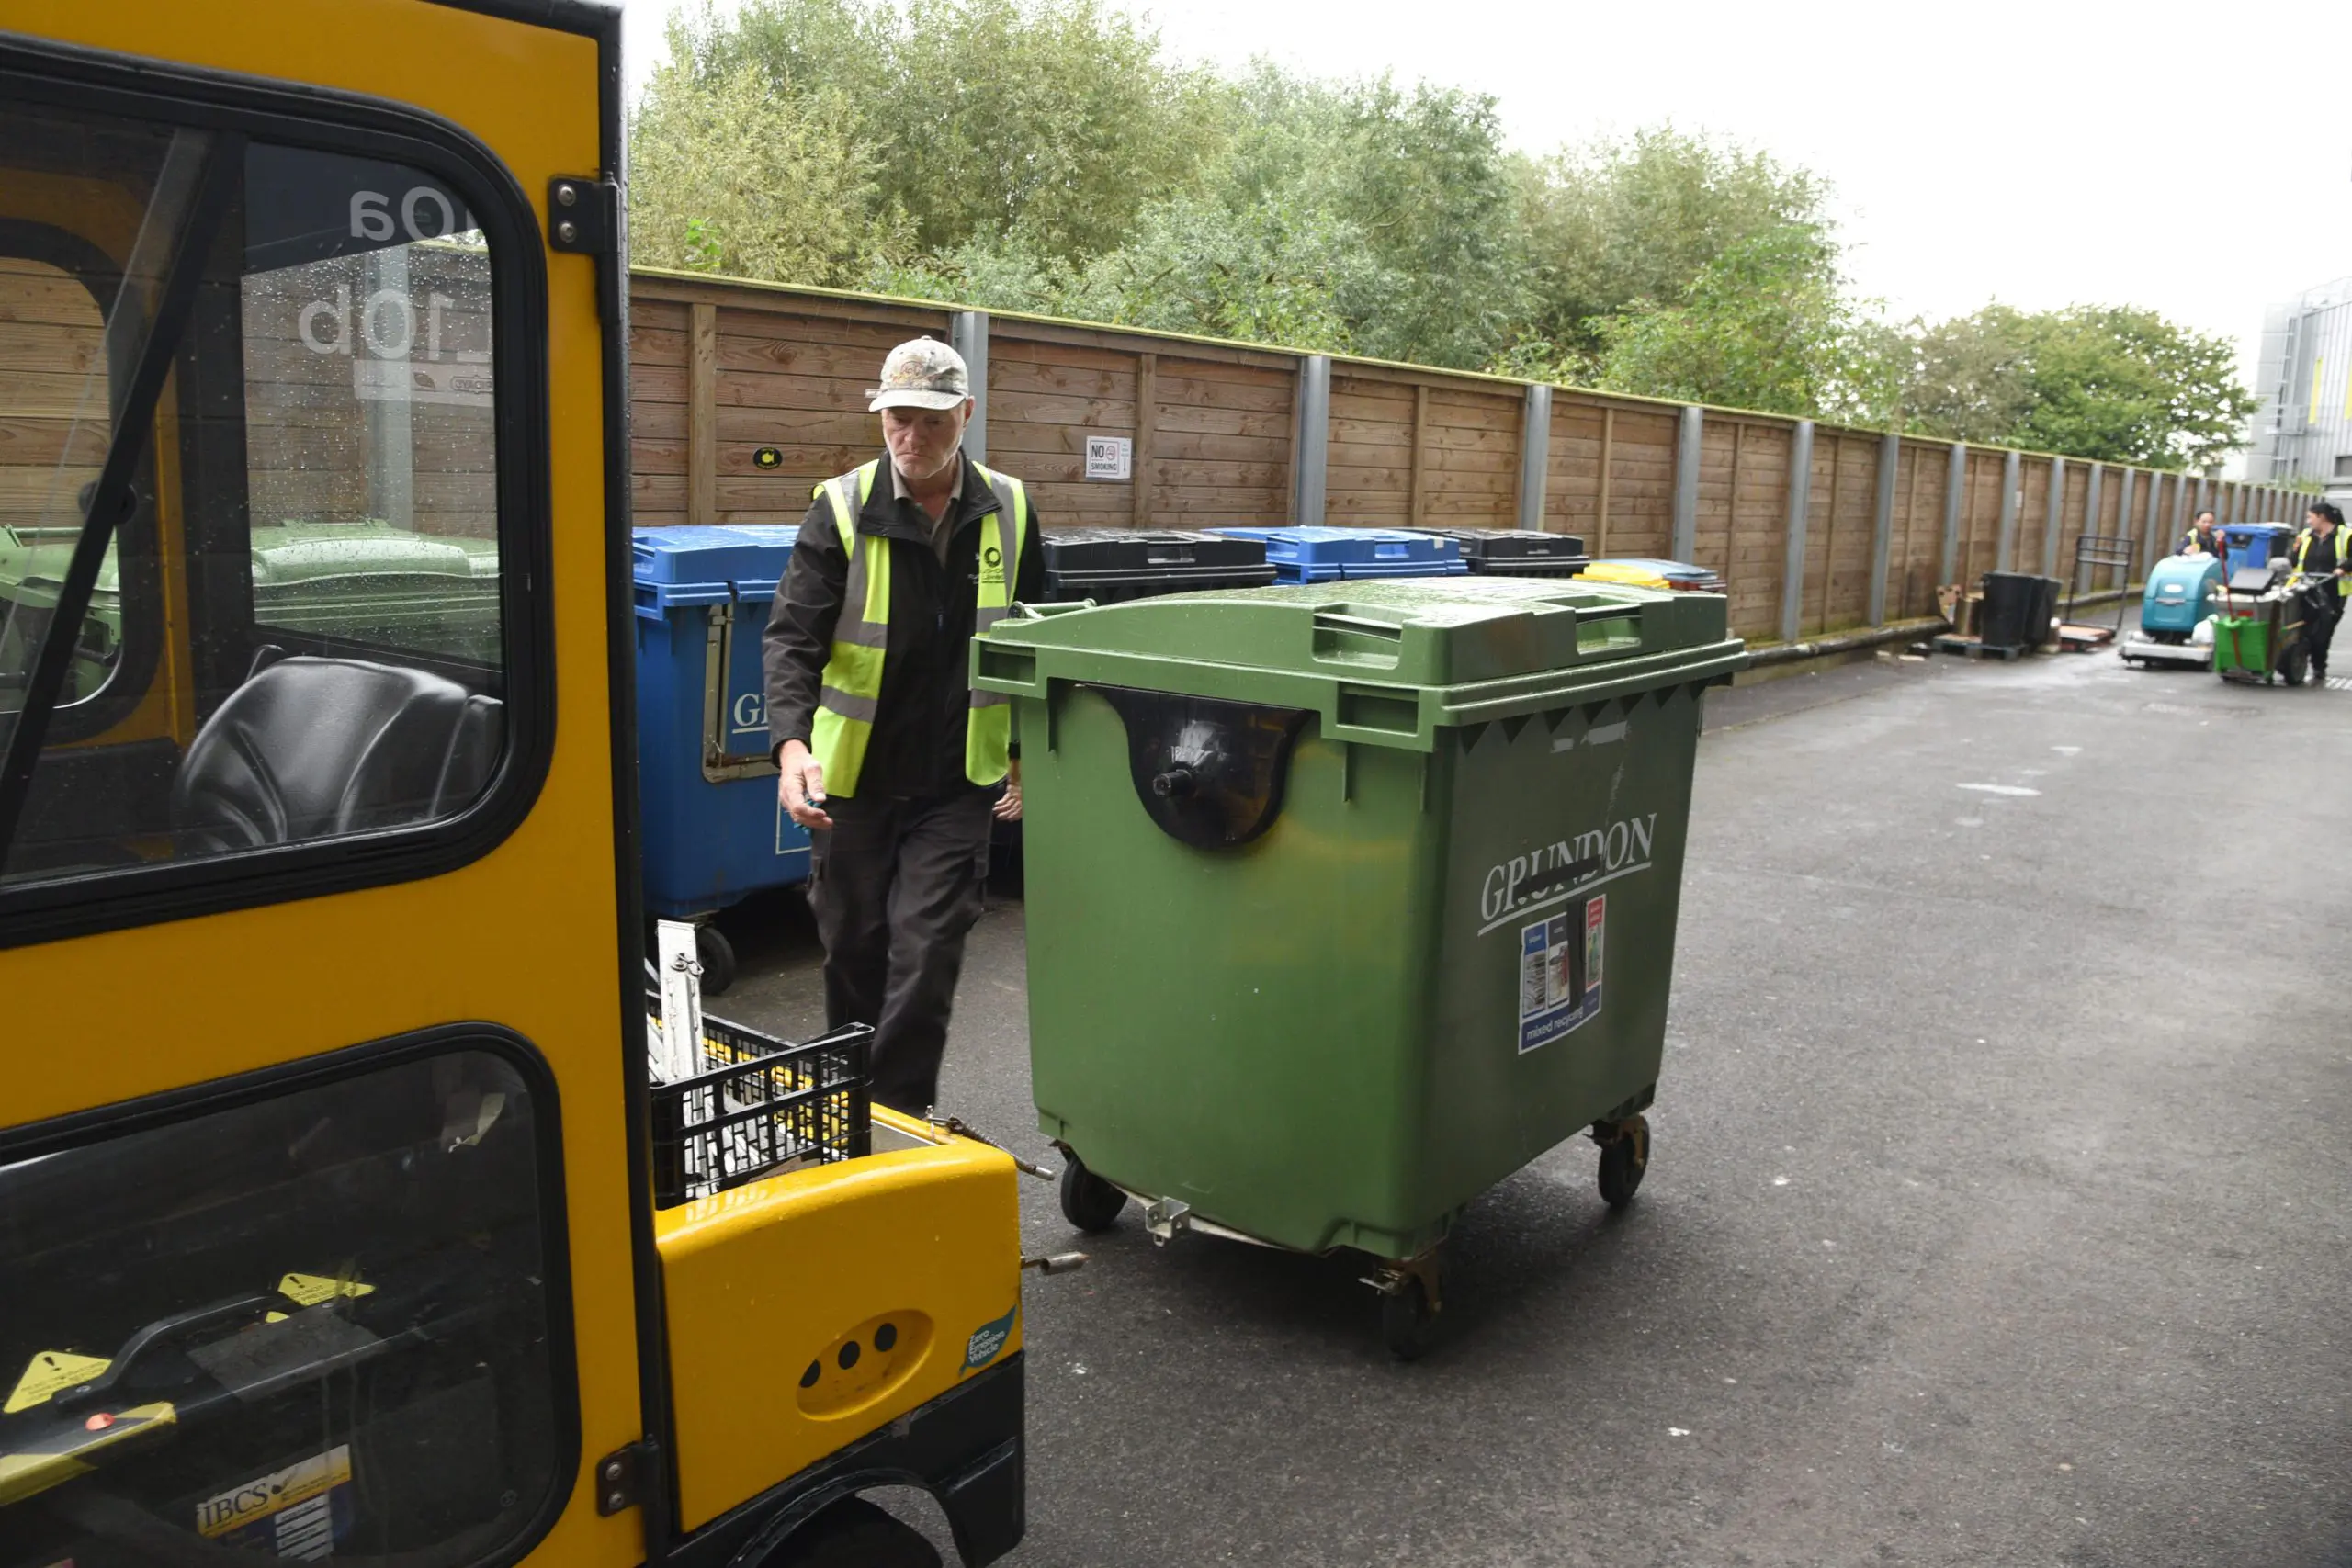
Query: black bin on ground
<point x="1110" y="565"/>
<point x="2017" y="609"/>
<point x="1517" y="552"/>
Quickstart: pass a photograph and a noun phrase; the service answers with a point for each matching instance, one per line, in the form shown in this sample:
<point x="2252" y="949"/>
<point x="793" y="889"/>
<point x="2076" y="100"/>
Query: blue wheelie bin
<point x="1318" y="554"/>
<point x="714" y="832"/>
<point x="2255" y="545"/>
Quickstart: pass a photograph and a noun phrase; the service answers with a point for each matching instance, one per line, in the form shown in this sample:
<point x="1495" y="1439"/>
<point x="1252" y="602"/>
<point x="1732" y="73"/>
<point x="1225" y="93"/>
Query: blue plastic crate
<point x="1314" y="554"/>
<point x="714" y="832"/>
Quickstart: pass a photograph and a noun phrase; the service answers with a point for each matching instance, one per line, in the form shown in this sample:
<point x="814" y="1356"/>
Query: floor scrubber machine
<point x="2179" y="596"/>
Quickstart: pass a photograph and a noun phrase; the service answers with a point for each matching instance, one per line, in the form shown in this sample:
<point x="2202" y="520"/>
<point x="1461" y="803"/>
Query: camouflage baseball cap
<point x="924" y="374"/>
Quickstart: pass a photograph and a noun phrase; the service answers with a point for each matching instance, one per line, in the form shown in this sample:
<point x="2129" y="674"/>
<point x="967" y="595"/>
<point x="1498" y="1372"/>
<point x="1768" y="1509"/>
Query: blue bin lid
<point x="2244" y="531"/>
<point x="712" y="564"/>
<point x="1320" y="547"/>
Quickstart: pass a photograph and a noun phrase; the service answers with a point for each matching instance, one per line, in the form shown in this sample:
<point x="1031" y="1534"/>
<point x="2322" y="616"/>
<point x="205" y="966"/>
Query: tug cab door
<point x="321" y="1221"/>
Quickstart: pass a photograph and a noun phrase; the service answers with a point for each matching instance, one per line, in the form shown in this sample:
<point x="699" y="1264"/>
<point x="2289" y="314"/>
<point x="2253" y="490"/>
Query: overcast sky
<point x="2195" y="159"/>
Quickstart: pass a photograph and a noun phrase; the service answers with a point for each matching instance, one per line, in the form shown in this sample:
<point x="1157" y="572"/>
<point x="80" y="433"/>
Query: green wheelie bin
<point x="1345" y="901"/>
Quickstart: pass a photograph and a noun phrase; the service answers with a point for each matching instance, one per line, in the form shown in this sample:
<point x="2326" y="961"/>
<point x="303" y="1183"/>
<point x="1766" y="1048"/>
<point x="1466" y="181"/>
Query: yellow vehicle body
<point x="325" y="1212"/>
<point x="910" y="1236"/>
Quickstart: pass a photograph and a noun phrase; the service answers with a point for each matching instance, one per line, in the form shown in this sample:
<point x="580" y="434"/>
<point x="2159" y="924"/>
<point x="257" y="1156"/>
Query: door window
<point x="256" y="515"/>
<point x="315" y="1326"/>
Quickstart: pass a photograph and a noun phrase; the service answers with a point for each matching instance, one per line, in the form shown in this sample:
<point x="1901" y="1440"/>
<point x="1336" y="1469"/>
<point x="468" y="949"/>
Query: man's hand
<point x="1008" y="805"/>
<point x="800" y="785"/>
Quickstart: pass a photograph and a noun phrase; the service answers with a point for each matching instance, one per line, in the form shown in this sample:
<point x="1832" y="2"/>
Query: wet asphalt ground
<point x="1998" y="1214"/>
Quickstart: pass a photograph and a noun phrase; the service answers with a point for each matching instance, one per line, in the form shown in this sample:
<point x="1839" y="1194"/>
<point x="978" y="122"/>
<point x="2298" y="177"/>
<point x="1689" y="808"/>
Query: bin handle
<point x="1333" y="620"/>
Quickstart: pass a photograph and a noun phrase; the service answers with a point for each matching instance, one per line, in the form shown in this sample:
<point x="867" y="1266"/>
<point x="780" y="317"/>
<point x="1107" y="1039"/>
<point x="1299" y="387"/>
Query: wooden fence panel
<point x="1979" y="519"/>
<point x="1721" y="450"/>
<point x="2071" y="518"/>
<point x="1220" y="443"/>
<point x="1369" y="482"/>
<point x="2033" y="515"/>
<point x="1759" y="544"/>
<point x="1641" y="482"/>
<point x="2111" y="506"/>
<point x="1915" y="556"/>
<point x="1584" y="439"/>
<point x="1846" y="594"/>
<point x="1469" y="458"/>
<point x="1045" y="398"/>
<point x="659" y="335"/>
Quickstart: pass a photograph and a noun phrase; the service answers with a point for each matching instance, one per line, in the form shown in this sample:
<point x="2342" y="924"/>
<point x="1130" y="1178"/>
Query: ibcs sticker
<point x="302" y="1512"/>
<point x="987" y="1341"/>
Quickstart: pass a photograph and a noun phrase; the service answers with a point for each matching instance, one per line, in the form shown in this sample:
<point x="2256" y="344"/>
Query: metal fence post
<point x="1955" y="497"/>
<point x="1685" y="543"/>
<point x="2054" y="518"/>
<point x="2012" y="476"/>
<point x="1313" y="417"/>
<point x="968" y="334"/>
<point x="1535" y="456"/>
<point x="1890" y="460"/>
<point x="1799" y="501"/>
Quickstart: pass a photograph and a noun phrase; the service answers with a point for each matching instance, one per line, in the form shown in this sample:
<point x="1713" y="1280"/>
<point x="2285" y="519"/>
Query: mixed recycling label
<point x="1559" y="972"/>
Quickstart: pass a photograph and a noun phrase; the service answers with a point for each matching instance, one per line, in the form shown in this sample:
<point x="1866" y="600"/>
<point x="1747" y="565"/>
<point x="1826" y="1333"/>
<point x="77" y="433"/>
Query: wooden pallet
<point x="1974" y="647"/>
<point x="2083" y="639"/>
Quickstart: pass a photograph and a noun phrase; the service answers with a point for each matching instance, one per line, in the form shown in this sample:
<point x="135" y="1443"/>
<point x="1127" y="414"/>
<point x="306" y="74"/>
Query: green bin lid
<point x="1383" y="662"/>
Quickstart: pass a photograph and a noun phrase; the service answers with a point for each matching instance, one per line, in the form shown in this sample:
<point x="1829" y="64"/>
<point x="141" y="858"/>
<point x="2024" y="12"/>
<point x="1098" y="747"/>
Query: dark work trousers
<point x="896" y="885"/>
<point x="2319" y="626"/>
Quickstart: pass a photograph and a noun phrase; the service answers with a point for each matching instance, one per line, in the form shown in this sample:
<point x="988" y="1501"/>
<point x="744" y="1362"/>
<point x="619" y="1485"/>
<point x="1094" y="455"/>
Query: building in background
<point x="2303" y="430"/>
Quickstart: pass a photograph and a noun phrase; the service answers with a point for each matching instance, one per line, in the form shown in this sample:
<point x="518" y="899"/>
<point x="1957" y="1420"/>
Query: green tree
<point x="2108" y="383"/>
<point x="1966" y="378"/>
<point x="1613" y="223"/>
<point x="1359" y="218"/>
<point x="732" y="175"/>
<point x="1052" y="121"/>
<point x="1767" y="325"/>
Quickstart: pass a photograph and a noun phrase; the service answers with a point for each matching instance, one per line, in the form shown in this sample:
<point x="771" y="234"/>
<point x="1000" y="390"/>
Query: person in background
<point x="2320" y="552"/>
<point x="2203" y="535"/>
<point x="885" y="751"/>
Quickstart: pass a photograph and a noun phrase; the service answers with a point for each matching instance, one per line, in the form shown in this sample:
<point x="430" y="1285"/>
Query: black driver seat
<point x="308" y="747"/>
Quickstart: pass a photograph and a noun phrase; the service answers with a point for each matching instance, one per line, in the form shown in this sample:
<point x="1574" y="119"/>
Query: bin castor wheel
<point x="1088" y="1201"/>
<point x="1408" y="1312"/>
<point x="2297" y="666"/>
<point x="1624" y="1155"/>
<point x="854" y="1533"/>
<point x="717" y="956"/>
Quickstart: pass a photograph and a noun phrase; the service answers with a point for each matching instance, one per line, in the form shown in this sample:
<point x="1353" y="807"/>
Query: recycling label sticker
<point x="1559" y="972"/>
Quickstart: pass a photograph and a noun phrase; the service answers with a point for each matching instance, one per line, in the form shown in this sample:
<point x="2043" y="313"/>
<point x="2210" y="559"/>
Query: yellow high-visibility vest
<point x="2302" y="548"/>
<point x="851" y="688"/>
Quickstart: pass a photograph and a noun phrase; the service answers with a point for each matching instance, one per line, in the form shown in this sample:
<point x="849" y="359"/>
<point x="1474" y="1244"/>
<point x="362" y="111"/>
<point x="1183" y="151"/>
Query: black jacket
<point x="917" y="749"/>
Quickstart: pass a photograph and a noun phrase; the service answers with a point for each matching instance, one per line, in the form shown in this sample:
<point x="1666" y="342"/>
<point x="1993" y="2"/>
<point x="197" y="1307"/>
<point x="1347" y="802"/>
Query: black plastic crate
<point x="765" y="1105"/>
<point x="1518" y="552"/>
<point x="1109" y="565"/>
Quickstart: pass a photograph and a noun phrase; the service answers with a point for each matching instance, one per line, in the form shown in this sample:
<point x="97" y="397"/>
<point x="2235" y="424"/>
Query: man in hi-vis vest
<point x="886" y="752"/>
